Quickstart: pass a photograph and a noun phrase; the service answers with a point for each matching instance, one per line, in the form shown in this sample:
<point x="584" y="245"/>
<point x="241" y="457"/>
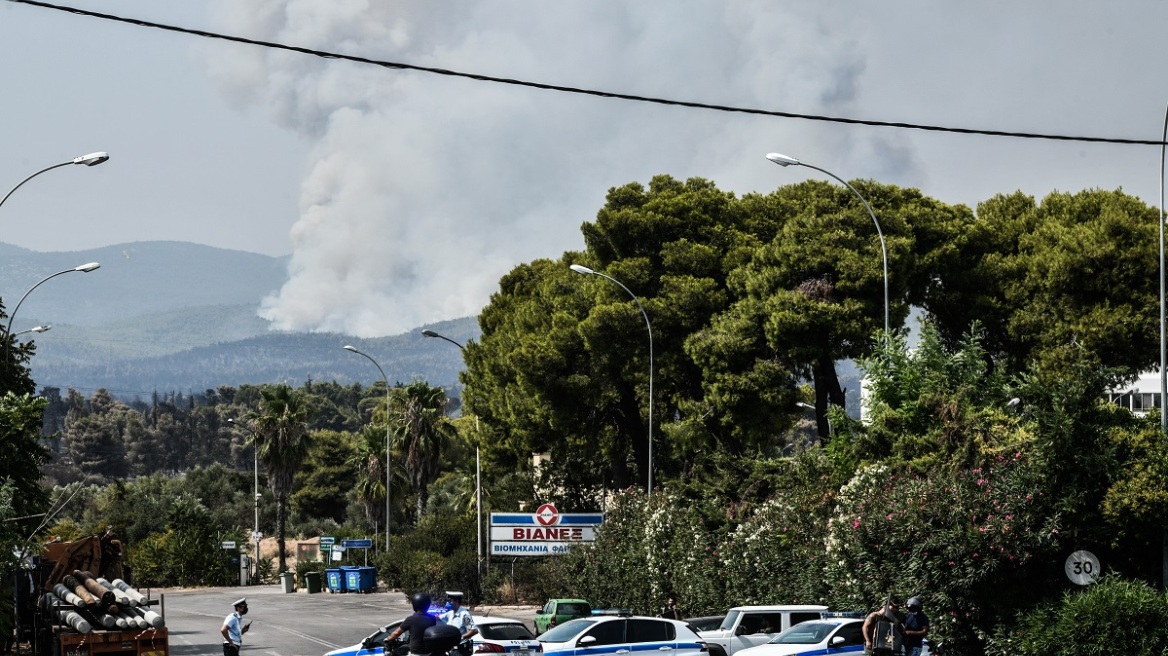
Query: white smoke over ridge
<point x="424" y="190"/>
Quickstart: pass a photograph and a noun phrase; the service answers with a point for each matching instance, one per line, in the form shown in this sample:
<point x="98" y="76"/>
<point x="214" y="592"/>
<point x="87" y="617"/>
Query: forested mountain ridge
<point x="163" y="316"/>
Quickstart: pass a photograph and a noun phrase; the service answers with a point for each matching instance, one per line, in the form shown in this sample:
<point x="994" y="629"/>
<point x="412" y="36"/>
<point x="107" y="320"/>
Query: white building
<point x="1140" y="396"/>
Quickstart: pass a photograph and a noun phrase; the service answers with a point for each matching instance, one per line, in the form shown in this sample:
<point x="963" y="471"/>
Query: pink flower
<point x="889" y="517"/>
<point x="856" y="523"/>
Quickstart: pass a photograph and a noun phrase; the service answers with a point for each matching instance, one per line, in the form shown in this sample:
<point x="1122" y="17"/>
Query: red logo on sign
<point x="547" y="515"/>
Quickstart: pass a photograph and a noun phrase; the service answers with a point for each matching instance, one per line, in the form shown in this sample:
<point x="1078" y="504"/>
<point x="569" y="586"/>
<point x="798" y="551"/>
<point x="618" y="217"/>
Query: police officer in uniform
<point x="459" y="617"/>
<point x="232" y="631"/>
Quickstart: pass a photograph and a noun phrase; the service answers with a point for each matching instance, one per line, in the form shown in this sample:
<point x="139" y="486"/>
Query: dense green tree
<point x="563" y="365"/>
<point x="1074" y="269"/>
<point x="281" y="430"/>
<point x="325" y="480"/>
<point x="14" y="373"/>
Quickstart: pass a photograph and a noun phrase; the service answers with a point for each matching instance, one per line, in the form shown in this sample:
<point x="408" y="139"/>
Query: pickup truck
<point x="751" y="626"/>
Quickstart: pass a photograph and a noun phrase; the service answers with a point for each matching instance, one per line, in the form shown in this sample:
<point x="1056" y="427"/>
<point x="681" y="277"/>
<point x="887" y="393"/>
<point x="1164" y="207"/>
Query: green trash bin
<point x="312" y="582"/>
<point x="288" y="580"/>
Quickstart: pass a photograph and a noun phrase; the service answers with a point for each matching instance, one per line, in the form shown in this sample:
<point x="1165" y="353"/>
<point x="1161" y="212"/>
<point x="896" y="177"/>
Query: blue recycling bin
<point x="336" y="581"/>
<point x="360" y="579"/>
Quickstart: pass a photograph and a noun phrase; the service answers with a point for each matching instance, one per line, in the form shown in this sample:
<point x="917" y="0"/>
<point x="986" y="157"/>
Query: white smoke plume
<point x="424" y="190"/>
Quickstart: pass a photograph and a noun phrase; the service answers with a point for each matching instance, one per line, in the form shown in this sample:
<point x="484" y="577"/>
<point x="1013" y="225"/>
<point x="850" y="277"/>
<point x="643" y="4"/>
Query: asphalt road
<point x="285" y="624"/>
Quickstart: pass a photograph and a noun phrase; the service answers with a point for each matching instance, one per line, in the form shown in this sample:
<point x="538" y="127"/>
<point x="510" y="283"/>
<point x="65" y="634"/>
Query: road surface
<point x="284" y="624"/>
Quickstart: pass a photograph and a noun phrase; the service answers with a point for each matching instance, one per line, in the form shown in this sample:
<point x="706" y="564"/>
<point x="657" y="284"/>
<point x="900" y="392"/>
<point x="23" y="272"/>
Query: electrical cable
<point x="595" y="92"/>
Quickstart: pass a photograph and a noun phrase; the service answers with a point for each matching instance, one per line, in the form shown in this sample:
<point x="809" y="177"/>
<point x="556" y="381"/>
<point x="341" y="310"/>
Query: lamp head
<point x="86" y="268"/>
<point x="348" y="347"/>
<point x="41" y="329"/>
<point x="92" y="159"/>
<point x="582" y="269"/>
<point x="783" y="160"/>
<point x="430" y="333"/>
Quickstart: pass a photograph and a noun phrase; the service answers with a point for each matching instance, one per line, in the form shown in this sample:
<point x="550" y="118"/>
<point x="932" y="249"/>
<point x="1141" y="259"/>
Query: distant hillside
<point x="142" y="279"/>
<point x="180" y="316"/>
<point x="279" y="357"/>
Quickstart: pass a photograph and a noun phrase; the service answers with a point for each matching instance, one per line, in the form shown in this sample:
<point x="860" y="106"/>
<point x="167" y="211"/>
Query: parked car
<point x="504" y="635"/>
<point x="497" y="635"/>
<point x="608" y="634"/>
<point x="709" y="623"/>
<point x="833" y="635"/>
<point x="750" y="626"/>
<point x="558" y="611"/>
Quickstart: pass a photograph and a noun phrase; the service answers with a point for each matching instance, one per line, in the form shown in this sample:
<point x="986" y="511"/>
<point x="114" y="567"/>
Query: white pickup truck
<point x="751" y="626"/>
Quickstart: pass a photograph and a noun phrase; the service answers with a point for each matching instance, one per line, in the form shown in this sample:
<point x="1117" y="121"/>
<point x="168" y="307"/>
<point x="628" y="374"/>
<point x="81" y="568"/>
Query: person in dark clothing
<point x="671" y="610"/>
<point x="416" y="624"/>
<point x="916" y="627"/>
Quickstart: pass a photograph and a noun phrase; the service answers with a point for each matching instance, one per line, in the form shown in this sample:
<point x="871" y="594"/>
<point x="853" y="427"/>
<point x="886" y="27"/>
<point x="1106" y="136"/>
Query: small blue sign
<point x="366" y="543"/>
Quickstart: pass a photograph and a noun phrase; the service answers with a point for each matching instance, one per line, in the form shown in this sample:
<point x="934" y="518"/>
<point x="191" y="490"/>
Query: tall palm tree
<point x="369" y="463"/>
<point x="418" y="415"/>
<point x="281" y="431"/>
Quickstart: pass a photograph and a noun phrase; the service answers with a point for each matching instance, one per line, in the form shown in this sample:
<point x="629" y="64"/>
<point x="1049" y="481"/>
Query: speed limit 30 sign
<point x="1082" y="568"/>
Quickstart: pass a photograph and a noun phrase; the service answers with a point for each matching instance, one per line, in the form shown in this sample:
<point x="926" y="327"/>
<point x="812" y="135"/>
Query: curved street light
<point x="783" y="160"/>
<point x="583" y="270"/>
<point x="84" y="268"/>
<point x="478" y="468"/>
<point x="92" y="159"/>
<point x="353" y="349"/>
<point x="35" y="329"/>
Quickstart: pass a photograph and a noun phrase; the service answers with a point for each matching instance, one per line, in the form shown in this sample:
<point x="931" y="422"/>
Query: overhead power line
<point x="595" y="92"/>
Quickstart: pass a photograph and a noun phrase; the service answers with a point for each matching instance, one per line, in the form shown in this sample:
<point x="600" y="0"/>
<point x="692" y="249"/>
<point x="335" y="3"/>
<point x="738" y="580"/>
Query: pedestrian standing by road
<point x="232" y="630"/>
<point x="459" y="617"/>
<point x="916" y="627"/>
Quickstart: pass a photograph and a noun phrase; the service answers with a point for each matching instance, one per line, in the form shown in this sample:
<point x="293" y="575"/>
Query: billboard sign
<point x="546" y="532"/>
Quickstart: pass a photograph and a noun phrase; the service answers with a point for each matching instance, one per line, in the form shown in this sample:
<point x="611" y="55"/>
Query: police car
<point x="831" y="635"/>
<point x="497" y="635"/>
<point x="622" y="634"/>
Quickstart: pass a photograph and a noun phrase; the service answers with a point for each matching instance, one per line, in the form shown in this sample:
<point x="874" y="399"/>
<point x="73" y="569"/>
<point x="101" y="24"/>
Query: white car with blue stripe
<point x="497" y="635"/>
<point x="831" y="635"/>
<point x="622" y="635"/>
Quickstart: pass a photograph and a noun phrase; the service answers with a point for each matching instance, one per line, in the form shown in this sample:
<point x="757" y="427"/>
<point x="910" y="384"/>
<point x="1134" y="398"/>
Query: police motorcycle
<point x="438" y="640"/>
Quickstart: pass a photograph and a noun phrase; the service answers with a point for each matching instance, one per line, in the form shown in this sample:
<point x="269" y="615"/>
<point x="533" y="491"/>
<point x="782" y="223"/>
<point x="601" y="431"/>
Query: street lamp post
<point x="589" y="272"/>
<point x="478" y="470"/>
<point x="255" y="532"/>
<point x="35" y="329"/>
<point x="92" y="159"/>
<point x="84" y="268"/>
<point x="783" y="160"/>
<point x="387" y="477"/>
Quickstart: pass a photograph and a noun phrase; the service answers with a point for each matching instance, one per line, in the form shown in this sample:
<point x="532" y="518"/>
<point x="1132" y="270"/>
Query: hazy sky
<point x="404" y="196"/>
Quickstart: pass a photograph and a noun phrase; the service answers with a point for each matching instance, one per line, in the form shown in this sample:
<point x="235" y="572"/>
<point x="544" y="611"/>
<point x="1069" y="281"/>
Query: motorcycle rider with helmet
<point x="416" y="624"/>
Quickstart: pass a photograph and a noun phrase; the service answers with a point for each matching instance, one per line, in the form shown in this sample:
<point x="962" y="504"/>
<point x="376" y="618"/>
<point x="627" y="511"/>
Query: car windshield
<point x="729" y="621"/>
<point x="705" y="623"/>
<point x="807" y="633"/>
<point x="573" y="609"/>
<point x="509" y="631"/>
<point x="567" y="630"/>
